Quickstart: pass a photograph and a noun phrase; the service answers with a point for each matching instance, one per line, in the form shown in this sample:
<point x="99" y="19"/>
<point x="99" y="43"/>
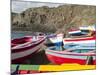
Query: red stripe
<point x="20" y="40"/>
<point x="61" y="60"/>
<point x="80" y="39"/>
<point x="26" y="48"/>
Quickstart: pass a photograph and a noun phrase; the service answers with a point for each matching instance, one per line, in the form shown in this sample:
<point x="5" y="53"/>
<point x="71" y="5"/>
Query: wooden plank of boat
<point x="80" y="46"/>
<point x="79" y="40"/>
<point x="24" y="50"/>
<point x="69" y="56"/>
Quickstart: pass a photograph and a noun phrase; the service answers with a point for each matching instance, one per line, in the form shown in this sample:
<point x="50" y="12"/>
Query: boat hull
<point x="78" y="56"/>
<point x="21" y="53"/>
<point x="61" y="60"/>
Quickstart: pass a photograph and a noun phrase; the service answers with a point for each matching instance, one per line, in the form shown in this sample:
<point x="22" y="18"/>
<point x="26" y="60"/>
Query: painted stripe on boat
<point x="32" y="41"/>
<point x="73" y="53"/>
<point x="69" y="56"/>
<point x="79" y="39"/>
<point x="28" y="47"/>
<point x="71" y="32"/>
<point x="25" y="53"/>
<point x="79" y="42"/>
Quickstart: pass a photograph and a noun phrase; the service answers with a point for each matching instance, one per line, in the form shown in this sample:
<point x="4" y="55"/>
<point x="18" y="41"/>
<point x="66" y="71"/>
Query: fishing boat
<point x="72" y="55"/>
<point x="80" y="40"/>
<point x="24" y="47"/>
<point x="56" y="39"/>
<point x="77" y="33"/>
<point x="88" y="28"/>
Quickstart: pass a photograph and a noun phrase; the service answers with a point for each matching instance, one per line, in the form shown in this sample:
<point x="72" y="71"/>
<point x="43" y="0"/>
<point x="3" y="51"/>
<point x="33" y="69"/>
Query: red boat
<point x="82" y="57"/>
<point x="24" y="47"/>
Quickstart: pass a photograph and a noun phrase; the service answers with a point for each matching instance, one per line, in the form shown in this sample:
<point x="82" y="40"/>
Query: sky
<point x="19" y="6"/>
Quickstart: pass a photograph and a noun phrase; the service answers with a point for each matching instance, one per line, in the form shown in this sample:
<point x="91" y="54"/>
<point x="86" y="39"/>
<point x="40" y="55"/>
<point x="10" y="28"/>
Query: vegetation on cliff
<point x="56" y="19"/>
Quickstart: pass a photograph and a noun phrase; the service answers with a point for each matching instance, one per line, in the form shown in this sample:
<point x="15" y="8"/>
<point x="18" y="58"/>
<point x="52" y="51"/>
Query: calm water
<point x="16" y="34"/>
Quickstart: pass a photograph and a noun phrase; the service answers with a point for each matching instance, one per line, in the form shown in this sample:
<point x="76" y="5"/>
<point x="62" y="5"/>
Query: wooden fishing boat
<point x="79" y="56"/>
<point x="24" y="47"/>
<point x="83" y="31"/>
<point x="80" y="40"/>
<point x="91" y="30"/>
<point x="77" y="33"/>
<point x="56" y="39"/>
<point x="88" y="28"/>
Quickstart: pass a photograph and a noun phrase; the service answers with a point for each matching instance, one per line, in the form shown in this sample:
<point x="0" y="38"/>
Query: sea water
<point x="17" y="34"/>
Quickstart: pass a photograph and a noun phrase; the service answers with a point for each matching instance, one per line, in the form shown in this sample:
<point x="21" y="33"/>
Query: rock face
<point x="56" y="19"/>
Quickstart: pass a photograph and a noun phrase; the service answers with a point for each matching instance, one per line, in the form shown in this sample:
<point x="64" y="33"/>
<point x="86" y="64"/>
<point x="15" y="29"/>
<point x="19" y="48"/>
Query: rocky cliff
<point x="56" y="19"/>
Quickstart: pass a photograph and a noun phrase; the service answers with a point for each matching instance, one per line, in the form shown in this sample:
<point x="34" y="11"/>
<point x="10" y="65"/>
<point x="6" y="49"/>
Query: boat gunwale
<point x="32" y="43"/>
<point x="66" y="52"/>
